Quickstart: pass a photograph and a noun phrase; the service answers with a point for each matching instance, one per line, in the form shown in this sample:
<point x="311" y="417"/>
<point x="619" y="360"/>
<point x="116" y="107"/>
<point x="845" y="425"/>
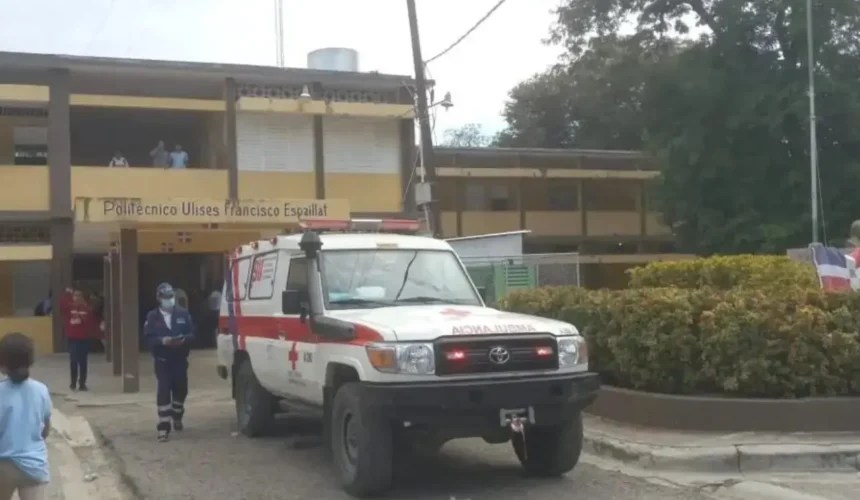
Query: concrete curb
<point x="726" y="459"/>
<point x="77" y="484"/>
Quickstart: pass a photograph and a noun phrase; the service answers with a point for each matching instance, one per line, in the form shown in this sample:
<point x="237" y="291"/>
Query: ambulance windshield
<point x="385" y="278"/>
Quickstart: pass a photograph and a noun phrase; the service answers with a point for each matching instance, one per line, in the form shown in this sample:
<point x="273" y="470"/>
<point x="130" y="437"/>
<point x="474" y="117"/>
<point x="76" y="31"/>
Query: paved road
<point x="209" y="460"/>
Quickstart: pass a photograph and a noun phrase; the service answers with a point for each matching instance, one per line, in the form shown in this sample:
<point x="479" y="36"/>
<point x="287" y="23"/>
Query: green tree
<point x="468" y="136"/>
<point x="722" y="102"/>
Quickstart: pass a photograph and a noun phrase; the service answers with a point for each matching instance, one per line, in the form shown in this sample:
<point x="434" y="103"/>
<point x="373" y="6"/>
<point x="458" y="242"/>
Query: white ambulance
<point x="385" y="336"/>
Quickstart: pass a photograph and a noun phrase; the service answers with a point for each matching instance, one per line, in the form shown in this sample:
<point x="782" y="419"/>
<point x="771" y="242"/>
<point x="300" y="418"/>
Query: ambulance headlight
<point x="410" y="359"/>
<point x="572" y="351"/>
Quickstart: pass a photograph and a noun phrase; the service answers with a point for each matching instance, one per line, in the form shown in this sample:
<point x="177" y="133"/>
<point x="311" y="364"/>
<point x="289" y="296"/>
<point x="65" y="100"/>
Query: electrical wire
<point x="467" y="33"/>
<point x="102" y="26"/>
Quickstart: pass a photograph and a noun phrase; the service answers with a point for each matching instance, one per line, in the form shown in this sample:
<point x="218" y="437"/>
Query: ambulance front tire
<point x="552" y="450"/>
<point x="255" y="406"/>
<point x="361" y="443"/>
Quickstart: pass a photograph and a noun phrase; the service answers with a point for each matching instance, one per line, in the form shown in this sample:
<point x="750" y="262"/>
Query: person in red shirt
<point x="77" y="318"/>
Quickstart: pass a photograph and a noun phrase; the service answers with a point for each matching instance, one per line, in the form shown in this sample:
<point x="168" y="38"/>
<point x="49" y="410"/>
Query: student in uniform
<point x="168" y="331"/>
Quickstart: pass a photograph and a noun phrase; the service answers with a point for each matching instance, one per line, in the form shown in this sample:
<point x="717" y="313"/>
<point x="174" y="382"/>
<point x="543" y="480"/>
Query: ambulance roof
<point x="355" y="241"/>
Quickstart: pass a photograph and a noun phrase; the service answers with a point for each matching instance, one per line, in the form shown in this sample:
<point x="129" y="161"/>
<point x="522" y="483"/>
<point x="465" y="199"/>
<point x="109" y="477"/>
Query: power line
<point x="466" y="34"/>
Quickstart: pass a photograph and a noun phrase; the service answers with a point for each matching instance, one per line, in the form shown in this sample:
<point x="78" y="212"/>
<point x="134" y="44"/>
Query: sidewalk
<point x="105" y="389"/>
<point x="73" y="477"/>
<point x="736" y="453"/>
<point x="646" y="449"/>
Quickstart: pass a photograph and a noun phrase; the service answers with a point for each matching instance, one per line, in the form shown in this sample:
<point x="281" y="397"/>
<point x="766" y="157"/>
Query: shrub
<point x="724" y="272"/>
<point x="792" y="341"/>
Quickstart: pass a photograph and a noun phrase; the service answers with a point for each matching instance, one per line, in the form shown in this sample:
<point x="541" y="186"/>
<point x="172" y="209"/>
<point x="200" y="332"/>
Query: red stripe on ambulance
<point x="293" y="330"/>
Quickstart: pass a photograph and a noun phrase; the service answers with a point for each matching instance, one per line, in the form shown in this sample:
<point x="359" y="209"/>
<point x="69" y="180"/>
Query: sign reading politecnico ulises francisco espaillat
<point x="207" y="211"/>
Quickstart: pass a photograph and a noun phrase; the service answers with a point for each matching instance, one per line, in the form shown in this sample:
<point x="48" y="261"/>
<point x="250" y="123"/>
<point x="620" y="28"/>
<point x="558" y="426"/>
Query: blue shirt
<point x="24" y="408"/>
<point x="178" y="159"/>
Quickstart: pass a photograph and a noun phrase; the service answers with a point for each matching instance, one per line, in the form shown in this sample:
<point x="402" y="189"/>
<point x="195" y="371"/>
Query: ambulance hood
<point x="429" y="322"/>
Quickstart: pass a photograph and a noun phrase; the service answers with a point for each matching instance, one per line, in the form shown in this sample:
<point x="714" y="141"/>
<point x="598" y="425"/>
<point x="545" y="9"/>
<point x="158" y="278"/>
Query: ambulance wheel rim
<point x="350" y="438"/>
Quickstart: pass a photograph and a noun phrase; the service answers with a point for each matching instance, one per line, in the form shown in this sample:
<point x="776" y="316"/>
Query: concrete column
<point x="60" y="181"/>
<point x="115" y="314"/>
<point x="583" y="211"/>
<point x="129" y="315"/>
<point x="230" y="146"/>
<point x="408" y="164"/>
<point x="319" y="157"/>
<point x="106" y="312"/>
<point x="643" y="209"/>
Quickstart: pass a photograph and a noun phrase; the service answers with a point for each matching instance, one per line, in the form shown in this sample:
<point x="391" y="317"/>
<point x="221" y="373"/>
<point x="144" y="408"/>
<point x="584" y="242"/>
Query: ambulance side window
<point x="297" y="276"/>
<point x="237" y="279"/>
<point x="263" y="276"/>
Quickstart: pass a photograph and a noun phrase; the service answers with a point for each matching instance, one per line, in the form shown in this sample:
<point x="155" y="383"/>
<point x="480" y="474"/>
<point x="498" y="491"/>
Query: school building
<point x="591" y="202"/>
<point x="267" y="146"/>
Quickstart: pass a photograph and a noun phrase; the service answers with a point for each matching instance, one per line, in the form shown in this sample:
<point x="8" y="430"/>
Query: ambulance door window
<point x="296" y="348"/>
<point x="297" y="276"/>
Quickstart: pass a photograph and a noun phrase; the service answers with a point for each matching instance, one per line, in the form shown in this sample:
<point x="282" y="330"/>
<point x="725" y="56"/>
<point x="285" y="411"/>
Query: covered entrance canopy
<point x="124" y="228"/>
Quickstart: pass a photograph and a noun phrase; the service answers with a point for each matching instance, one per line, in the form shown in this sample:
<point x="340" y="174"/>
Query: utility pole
<point x="279" y="33"/>
<point x="813" y="127"/>
<point x="426" y="135"/>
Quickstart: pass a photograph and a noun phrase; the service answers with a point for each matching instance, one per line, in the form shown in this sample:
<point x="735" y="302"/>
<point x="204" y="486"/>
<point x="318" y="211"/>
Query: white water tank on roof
<point x="334" y="59"/>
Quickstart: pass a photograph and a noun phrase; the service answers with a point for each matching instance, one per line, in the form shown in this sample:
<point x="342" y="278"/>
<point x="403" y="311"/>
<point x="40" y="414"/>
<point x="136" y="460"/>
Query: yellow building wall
<point x="279" y="185"/>
<point x="24" y="187"/>
<point x="37" y="328"/>
<point x="366" y="192"/>
<point x="7" y="145"/>
<point x="197" y="241"/>
<point x="476" y="223"/>
<point x="157" y="183"/>
<point x="554" y="223"/>
<point x="449" y="224"/>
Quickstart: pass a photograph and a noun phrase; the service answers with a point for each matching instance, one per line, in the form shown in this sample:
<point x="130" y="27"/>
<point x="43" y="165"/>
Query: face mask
<point x="168" y="303"/>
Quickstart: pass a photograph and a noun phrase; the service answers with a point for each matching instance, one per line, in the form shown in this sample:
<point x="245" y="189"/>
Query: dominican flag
<point x="836" y="271"/>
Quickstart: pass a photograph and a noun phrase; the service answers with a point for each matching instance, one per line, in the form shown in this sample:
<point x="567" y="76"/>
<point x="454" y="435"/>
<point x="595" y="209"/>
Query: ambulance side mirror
<point x="293" y="302"/>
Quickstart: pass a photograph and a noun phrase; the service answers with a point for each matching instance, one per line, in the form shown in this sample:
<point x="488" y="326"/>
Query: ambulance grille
<point x="495" y="354"/>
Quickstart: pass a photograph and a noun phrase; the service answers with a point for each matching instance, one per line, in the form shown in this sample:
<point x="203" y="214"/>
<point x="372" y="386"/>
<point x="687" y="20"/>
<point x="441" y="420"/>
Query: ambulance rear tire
<point x="551" y="450"/>
<point x="362" y="444"/>
<point x="255" y="406"/>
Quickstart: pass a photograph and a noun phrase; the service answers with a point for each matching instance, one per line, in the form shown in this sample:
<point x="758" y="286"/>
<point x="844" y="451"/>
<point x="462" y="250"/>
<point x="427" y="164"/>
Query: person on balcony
<point x="77" y="318"/>
<point x="178" y="157"/>
<point x="160" y="156"/>
<point x="118" y="160"/>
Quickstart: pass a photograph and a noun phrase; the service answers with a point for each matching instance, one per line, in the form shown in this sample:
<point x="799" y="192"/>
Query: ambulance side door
<point x="261" y="336"/>
<point x="296" y="342"/>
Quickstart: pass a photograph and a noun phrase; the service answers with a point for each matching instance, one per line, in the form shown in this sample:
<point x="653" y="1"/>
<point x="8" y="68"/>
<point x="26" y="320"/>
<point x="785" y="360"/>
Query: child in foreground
<point x="25" y="413"/>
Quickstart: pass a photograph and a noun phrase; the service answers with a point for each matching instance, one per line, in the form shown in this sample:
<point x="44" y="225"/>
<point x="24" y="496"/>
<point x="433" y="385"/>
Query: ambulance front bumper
<point x="548" y="399"/>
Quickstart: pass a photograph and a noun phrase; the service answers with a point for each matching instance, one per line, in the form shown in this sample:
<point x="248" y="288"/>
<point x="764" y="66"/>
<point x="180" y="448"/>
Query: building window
<point x="489" y="198"/>
<point x="31" y="155"/>
<point x="612" y="195"/>
<point x="562" y="197"/>
<point x="30" y="284"/>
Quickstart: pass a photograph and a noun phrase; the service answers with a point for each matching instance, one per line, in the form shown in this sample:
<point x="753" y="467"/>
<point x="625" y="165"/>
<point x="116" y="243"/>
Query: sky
<point x="505" y="50"/>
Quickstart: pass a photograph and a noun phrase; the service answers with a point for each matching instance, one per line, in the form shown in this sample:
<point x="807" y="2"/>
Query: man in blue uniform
<point x="169" y="332"/>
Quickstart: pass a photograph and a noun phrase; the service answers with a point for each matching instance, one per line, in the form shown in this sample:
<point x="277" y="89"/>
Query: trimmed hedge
<point x="725" y="272"/>
<point x="780" y="341"/>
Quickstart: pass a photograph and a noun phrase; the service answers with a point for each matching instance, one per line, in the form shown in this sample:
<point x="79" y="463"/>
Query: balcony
<point x="24" y="188"/>
<point x="554" y="223"/>
<point x="655" y="225"/>
<point x="614" y="223"/>
<point x="160" y="183"/>
<point x="476" y="223"/>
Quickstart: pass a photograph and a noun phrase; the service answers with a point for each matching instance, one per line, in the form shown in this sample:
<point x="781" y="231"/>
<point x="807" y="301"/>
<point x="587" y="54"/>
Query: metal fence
<point x="496" y="276"/>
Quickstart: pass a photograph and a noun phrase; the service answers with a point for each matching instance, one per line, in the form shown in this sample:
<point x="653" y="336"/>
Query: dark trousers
<point x="79" y="352"/>
<point x="171" y="377"/>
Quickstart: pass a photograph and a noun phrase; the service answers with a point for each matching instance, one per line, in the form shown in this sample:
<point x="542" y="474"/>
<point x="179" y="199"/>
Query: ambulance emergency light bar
<point x="361" y="225"/>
